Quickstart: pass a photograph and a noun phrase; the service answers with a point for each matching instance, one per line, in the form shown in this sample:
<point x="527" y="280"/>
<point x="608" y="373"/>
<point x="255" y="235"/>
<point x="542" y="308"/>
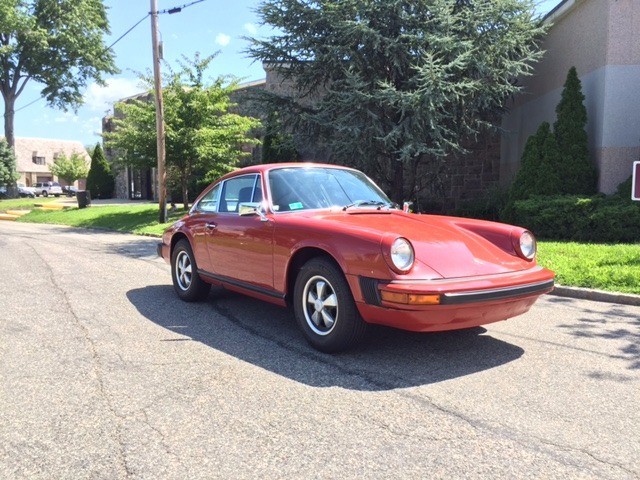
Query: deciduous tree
<point x="389" y="83"/>
<point x="202" y="132"/>
<point x="70" y="168"/>
<point x="57" y="43"/>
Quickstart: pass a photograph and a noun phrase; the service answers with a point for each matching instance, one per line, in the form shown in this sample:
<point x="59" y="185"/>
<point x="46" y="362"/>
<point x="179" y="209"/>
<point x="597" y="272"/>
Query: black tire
<point x="326" y="327"/>
<point x="45" y="193"/>
<point x="184" y="273"/>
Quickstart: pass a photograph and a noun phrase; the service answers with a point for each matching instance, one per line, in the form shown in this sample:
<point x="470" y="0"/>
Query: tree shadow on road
<point x="268" y="337"/>
<point x="614" y="323"/>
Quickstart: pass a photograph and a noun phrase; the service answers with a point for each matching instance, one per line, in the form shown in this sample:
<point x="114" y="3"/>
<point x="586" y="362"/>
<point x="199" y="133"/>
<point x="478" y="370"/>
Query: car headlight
<point x="402" y="254"/>
<point x="527" y="245"/>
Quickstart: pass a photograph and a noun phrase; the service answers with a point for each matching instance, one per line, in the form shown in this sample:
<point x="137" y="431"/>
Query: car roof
<point x="265" y="167"/>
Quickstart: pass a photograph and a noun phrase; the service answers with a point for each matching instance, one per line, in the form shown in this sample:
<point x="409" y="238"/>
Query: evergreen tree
<point x="538" y="173"/>
<point x="100" y="181"/>
<point x="387" y="85"/>
<point x="8" y="174"/>
<point x="277" y="145"/>
<point x="577" y="171"/>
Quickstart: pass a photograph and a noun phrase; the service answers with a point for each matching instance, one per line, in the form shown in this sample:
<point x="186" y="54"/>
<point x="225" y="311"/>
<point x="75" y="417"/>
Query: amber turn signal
<point x="410" y="298"/>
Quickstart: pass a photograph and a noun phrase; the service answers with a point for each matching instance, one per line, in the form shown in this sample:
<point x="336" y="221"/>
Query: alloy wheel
<point x="184" y="270"/>
<point x="320" y="305"/>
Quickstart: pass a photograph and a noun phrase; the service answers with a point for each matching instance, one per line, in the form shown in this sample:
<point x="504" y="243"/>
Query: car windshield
<point x="323" y="187"/>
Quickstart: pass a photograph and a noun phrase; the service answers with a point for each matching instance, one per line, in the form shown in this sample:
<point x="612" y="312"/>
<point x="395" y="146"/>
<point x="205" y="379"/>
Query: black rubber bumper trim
<point x="496" y="294"/>
<point x="370" y="292"/>
<point x="159" y="249"/>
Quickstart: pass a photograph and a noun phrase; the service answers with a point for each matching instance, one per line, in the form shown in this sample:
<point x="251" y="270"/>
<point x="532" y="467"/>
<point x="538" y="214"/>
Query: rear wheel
<point x="184" y="273"/>
<point x="324" y="307"/>
<point x="45" y="193"/>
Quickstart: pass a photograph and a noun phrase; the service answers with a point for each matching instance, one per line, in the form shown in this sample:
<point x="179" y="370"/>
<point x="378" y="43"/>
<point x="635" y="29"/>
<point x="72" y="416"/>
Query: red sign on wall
<point x="635" y="186"/>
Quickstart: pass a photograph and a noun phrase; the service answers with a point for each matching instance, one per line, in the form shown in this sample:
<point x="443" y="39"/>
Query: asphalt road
<point x="105" y="374"/>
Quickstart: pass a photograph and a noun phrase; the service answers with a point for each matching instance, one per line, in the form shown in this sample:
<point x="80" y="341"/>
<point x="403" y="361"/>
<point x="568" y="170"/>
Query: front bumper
<point x="163" y="251"/>
<point x="464" y="302"/>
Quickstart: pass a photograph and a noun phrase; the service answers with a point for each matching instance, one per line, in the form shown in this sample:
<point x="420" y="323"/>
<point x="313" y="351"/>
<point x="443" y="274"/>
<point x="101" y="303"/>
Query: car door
<point x="200" y="221"/>
<point x="241" y="246"/>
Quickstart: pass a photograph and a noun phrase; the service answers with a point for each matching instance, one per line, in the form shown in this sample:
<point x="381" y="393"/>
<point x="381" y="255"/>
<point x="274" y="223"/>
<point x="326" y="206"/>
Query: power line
<point x="103" y="51"/>
<point x="126" y="33"/>
<point x="168" y="10"/>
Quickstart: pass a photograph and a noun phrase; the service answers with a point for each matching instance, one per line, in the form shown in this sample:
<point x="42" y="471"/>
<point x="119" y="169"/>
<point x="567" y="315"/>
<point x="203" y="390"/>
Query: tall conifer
<point x="577" y="171"/>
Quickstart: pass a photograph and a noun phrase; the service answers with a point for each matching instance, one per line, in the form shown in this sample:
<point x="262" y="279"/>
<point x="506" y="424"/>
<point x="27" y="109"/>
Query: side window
<point x="235" y="191"/>
<point x="209" y="202"/>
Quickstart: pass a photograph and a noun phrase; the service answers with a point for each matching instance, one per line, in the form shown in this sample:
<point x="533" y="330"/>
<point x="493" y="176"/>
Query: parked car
<point x="22" y="189"/>
<point x="328" y="242"/>
<point x="47" y="188"/>
<point x="25" y="191"/>
<point x="69" y="190"/>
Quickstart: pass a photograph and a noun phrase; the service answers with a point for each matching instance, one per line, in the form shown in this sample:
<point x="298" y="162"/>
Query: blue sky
<point x="206" y="27"/>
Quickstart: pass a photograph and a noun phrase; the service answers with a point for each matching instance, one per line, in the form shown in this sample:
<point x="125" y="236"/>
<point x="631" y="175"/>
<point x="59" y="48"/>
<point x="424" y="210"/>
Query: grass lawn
<point x="138" y="219"/>
<point x="606" y="267"/>
<point x="22" y="203"/>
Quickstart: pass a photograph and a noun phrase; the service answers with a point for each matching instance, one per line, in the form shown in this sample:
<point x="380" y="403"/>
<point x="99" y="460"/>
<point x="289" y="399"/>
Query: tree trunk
<point x="9" y="115"/>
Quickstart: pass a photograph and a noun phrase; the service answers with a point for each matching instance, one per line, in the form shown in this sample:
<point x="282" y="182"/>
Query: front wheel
<point x="324" y="307"/>
<point x="184" y="273"/>
<point x="45" y="193"/>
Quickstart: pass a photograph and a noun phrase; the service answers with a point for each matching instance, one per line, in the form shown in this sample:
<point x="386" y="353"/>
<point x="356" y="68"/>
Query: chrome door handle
<point x="210" y="225"/>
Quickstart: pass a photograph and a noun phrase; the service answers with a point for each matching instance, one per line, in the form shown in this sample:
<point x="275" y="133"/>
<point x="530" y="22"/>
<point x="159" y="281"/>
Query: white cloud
<point x="92" y="126"/>
<point x="251" y="28"/>
<point x="223" y="39"/>
<point x="66" y="117"/>
<point x="100" y="98"/>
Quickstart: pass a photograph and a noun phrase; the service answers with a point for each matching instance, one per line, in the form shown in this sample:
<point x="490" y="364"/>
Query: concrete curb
<point x="597" y="295"/>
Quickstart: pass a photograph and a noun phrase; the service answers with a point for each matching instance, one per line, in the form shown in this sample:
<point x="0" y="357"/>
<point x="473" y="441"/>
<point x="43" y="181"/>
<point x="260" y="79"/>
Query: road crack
<point x="95" y="361"/>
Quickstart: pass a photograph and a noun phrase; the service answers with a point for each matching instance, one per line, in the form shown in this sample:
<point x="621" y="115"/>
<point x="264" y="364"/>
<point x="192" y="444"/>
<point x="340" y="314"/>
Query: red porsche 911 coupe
<point x="327" y="241"/>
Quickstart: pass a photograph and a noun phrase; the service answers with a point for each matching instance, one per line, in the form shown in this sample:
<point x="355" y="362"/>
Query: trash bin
<point x="84" y="198"/>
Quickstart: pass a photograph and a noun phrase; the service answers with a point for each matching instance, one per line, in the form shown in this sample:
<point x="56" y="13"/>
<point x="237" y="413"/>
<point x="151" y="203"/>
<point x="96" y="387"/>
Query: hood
<point x="453" y="247"/>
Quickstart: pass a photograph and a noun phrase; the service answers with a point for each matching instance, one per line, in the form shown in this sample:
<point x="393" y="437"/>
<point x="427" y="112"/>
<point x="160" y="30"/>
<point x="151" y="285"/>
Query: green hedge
<point x="599" y="218"/>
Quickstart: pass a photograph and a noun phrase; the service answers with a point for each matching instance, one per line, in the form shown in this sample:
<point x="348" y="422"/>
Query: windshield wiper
<point x="368" y="203"/>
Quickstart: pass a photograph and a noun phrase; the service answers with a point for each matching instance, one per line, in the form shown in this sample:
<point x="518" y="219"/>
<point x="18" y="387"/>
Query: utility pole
<point x="162" y="175"/>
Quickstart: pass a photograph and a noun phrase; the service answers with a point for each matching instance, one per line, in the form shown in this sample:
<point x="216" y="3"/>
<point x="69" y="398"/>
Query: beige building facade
<point x="34" y="157"/>
<point x="601" y="38"/>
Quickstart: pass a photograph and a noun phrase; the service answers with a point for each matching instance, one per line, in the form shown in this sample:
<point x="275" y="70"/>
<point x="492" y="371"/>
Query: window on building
<point x="39" y="160"/>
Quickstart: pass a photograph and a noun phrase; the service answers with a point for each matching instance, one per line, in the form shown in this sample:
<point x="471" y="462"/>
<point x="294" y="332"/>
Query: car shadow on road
<point x="268" y="337"/>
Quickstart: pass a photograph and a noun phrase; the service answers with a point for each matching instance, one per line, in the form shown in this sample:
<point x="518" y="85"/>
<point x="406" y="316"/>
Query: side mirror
<point x="248" y="208"/>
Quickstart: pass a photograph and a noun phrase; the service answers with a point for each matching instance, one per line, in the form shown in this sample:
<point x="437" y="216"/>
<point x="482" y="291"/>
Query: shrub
<point x="538" y="172"/>
<point x="569" y="217"/>
<point x="488" y="207"/>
